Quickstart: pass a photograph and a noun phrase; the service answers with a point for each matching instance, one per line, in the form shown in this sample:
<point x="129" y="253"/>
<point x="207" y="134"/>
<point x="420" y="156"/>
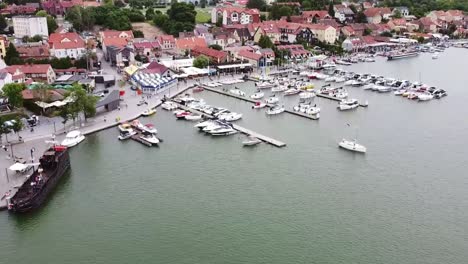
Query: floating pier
<point x="313" y="117"/>
<point x="138" y="139"/>
<point x="243" y="130"/>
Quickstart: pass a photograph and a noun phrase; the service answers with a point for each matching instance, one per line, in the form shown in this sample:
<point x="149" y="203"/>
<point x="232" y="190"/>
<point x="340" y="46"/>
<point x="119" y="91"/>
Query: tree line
<point x="179" y="17"/>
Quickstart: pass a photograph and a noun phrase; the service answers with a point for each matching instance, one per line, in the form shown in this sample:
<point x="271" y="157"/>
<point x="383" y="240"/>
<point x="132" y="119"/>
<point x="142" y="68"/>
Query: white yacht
<point x="272" y="100"/>
<point x="223" y="131"/>
<point x="313" y="110"/>
<point x="275" y="110"/>
<point x="150" y="138"/>
<point x="193" y="117"/>
<point x="307" y="95"/>
<point x="425" y="96"/>
<point x="259" y="105"/>
<point x="126" y="135"/>
<point x="352" y="146"/>
<point x="280" y="88"/>
<point x="251" y="141"/>
<point x="73" y="138"/>
<point x="204" y="124"/>
<point x="264" y="85"/>
<point x="125" y="127"/>
<point x="170" y="106"/>
<point x="257" y="95"/>
<point x="348" y="104"/>
<point x="230" y="116"/>
<point x="237" y="92"/>
<point x="292" y="91"/>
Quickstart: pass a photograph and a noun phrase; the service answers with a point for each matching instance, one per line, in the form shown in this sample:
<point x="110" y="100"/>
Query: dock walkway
<point x="247" y="99"/>
<point x="243" y="130"/>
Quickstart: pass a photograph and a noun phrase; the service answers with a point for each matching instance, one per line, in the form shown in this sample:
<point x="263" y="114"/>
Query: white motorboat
<point x="321" y="76"/>
<point x="340" y="79"/>
<point x="348" y="104"/>
<point x="230" y="116"/>
<point x="272" y="100"/>
<point x="223" y="131"/>
<point x="384" y="89"/>
<point x="425" y="97"/>
<point x="125" y="127"/>
<point x="251" y="141"/>
<point x="280" y="88"/>
<point x="237" y="91"/>
<point x="264" y="85"/>
<point x="212" y="126"/>
<point x="275" y="110"/>
<point x="292" y="91"/>
<point x="203" y="124"/>
<point x="399" y="92"/>
<point x="257" y="95"/>
<point x="126" y="135"/>
<point x="73" y="138"/>
<point x="302" y="107"/>
<point x="150" y="138"/>
<point x="330" y="79"/>
<point x="349" y="82"/>
<point x="352" y="146"/>
<point x="341" y="94"/>
<point x="313" y="110"/>
<point x="170" y="106"/>
<point x="307" y="95"/>
<point x="369" y="59"/>
<point x="193" y="117"/>
<point x="259" y="105"/>
<point x="148" y="128"/>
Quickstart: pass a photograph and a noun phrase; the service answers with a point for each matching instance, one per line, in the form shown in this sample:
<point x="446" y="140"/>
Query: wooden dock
<point x="243" y="130"/>
<point x="312" y="117"/>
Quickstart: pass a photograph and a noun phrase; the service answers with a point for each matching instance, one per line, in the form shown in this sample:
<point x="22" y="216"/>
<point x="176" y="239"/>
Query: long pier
<point x="243" y="130"/>
<point x="312" y="117"/>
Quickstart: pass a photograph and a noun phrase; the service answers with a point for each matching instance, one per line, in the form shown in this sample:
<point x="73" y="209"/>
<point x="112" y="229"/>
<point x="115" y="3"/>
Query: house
<point x="437" y="15"/>
<point x="377" y="29"/>
<point x="343" y="13"/>
<point x="156" y="68"/>
<point x="397" y="24"/>
<point x="37" y="51"/>
<point x="183" y="44"/>
<point x="324" y="33"/>
<point x="427" y="24"/>
<point x="241" y="34"/>
<point x="147" y="48"/>
<point x="229" y="15"/>
<point x="26" y="9"/>
<point x="375" y="15"/>
<point x="313" y="16"/>
<point x="256" y="59"/>
<point x="3" y="45"/>
<point x="63" y="45"/>
<point x="167" y="42"/>
<point x="404" y="11"/>
<point x="295" y="51"/>
<point x="120" y="56"/>
<point x="59" y="7"/>
<point x="215" y="56"/>
<point x="456" y="15"/>
<point x="113" y="34"/>
<point x="30" y="26"/>
<point x="5" y="78"/>
<point x="37" y="72"/>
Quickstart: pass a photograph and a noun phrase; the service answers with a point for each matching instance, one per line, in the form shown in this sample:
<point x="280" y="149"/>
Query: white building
<point x="30" y="26"/>
<point x="5" y="78"/>
<point x="69" y="44"/>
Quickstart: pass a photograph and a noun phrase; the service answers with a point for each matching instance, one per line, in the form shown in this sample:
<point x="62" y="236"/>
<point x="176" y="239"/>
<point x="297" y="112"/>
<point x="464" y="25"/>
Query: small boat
<point x="223" y="131"/>
<point x="126" y="135"/>
<point x="183" y="114"/>
<point x="264" y="85"/>
<point x="352" y="146"/>
<point x="330" y="79"/>
<point x="193" y="117"/>
<point x="149" y="112"/>
<point x="150" y="138"/>
<point x="72" y="139"/>
<point x="306" y="95"/>
<point x="384" y="89"/>
<point x="204" y="124"/>
<point x="148" y="128"/>
<point x="279" y="89"/>
<point x="259" y="105"/>
<point x="229" y="117"/>
<point x="348" y="104"/>
<point x="340" y="79"/>
<point x="125" y="127"/>
<point x="413" y="96"/>
<point x="237" y="92"/>
<point x="425" y="97"/>
<point x="170" y="106"/>
<point x="399" y="92"/>
<point x="369" y="59"/>
<point x="291" y="91"/>
<point x="251" y="141"/>
<point x="198" y="89"/>
<point x="275" y="110"/>
<point x="257" y="95"/>
<point x="272" y="100"/>
<point x="313" y="110"/>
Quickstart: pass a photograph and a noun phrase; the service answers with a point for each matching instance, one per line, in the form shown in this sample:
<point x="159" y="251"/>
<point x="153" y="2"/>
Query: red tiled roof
<point x="249" y="55"/>
<point x="118" y="42"/>
<point x="190" y="43"/>
<point x="70" y="40"/>
<point x="210" y="52"/>
<point x="29" y="69"/>
<point x="30" y="51"/>
<point x="146" y="45"/>
<point x="116" y="34"/>
<point x="155" y="67"/>
<point x="318" y="13"/>
<point x="169" y="38"/>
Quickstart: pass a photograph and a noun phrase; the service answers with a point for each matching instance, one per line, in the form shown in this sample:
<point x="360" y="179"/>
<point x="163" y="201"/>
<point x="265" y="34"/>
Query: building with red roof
<point x="215" y="56"/>
<point x="69" y="44"/>
<point x="167" y="42"/>
<point x="26" y="9"/>
<point x="59" y="7"/>
<point x="230" y="15"/>
<point x="36" y="51"/>
<point x="314" y="15"/>
<point x="376" y="14"/>
<point x="37" y="72"/>
<point x="295" y="50"/>
<point x="183" y="44"/>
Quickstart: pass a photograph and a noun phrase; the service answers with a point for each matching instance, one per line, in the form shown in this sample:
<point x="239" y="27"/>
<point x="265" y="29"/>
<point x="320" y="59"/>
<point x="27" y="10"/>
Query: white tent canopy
<point x="18" y="167"/>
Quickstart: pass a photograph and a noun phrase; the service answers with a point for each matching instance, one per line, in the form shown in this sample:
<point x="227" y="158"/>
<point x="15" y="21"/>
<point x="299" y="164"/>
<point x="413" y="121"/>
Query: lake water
<point x="199" y="199"/>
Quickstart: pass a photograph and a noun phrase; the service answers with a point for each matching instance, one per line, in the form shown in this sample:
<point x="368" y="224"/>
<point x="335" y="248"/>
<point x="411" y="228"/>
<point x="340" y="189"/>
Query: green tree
<point x="13" y="92"/>
<point x="138" y="34"/>
<point x="202" y="3"/>
<point x="3" y="23"/>
<point x="82" y="103"/>
<point x="51" y="24"/>
<point x="12" y="55"/>
<point x="259" y="4"/>
<point x="421" y="39"/>
<point x="216" y="47"/>
<point x="331" y="10"/>
<point x="17" y="126"/>
<point x="360" y="17"/>
<point x="160" y="20"/>
<point x="41" y="13"/>
<point x="265" y="42"/>
<point x="201" y="62"/>
<point x="367" y="32"/>
<point x="397" y="14"/>
<point x="149" y="13"/>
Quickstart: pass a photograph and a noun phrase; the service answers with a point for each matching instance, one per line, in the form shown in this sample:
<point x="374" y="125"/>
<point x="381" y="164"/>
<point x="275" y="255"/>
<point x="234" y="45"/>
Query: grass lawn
<point x="203" y="15"/>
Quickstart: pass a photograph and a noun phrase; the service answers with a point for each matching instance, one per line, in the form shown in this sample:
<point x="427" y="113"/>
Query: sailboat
<point x="352" y="145"/>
